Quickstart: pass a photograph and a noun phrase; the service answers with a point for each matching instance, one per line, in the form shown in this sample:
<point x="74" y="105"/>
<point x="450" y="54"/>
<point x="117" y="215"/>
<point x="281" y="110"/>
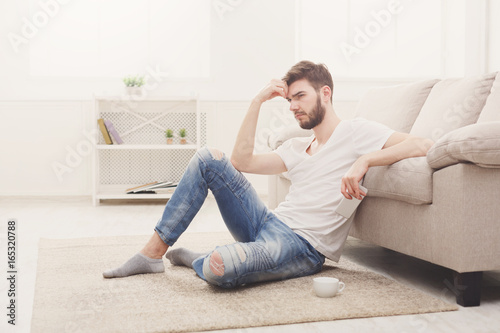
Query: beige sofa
<point x="443" y="208"/>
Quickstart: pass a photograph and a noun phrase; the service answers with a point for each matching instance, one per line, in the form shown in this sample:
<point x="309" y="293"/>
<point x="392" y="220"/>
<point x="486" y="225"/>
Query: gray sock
<point x="138" y="264"/>
<point x="183" y="257"/>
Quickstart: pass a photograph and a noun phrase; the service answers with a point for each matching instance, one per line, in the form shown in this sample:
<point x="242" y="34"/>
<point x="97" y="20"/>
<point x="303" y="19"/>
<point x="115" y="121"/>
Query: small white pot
<point x="134" y="90"/>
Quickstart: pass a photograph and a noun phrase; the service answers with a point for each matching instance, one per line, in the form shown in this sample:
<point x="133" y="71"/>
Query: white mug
<point x="327" y="286"/>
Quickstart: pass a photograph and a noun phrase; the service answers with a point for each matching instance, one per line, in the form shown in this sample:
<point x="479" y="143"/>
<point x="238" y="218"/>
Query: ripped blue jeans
<point x="266" y="249"/>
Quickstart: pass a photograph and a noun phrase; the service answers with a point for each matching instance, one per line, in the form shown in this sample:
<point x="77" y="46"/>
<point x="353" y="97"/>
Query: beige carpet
<point x="72" y="296"/>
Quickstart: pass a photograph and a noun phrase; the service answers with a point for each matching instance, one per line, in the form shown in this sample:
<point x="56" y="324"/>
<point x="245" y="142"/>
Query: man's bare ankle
<point x="153" y="254"/>
<point x="155" y="248"/>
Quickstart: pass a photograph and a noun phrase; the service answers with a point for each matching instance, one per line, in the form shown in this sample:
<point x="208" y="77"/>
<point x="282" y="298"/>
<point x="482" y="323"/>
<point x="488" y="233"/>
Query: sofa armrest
<point x="276" y="139"/>
<point x="278" y="187"/>
<point x="476" y="143"/>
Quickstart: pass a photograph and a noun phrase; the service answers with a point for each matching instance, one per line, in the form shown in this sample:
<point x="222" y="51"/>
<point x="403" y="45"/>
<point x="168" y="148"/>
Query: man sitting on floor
<point x="294" y="239"/>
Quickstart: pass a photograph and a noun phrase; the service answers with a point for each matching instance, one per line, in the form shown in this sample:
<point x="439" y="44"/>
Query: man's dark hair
<point x="318" y="75"/>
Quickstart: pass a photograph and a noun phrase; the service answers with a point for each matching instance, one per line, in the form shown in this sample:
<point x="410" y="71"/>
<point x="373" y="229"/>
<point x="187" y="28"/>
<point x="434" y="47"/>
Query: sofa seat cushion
<point x="452" y="103"/>
<point x="477" y="143"/>
<point x="409" y="180"/>
<point x="397" y="107"/>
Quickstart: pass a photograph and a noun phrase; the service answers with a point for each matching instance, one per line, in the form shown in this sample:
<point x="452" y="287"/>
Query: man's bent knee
<point x="216" y="153"/>
<point x="210" y="154"/>
<point x="216" y="264"/>
<point x="215" y="271"/>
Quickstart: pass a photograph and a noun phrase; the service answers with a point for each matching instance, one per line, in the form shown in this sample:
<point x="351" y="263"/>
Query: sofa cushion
<point x="452" y="103"/>
<point x="476" y="143"/>
<point x="396" y="106"/>
<point x="408" y="180"/>
<point x="491" y="110"/>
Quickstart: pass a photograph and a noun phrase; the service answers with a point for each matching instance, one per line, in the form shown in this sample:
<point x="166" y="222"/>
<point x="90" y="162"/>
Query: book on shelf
<point x="104" y="131"/>
<point x="154" y="187"/>
<point x="166" y="189"/>
<point x="138" y="188"/>
<point x="111" y="130"/>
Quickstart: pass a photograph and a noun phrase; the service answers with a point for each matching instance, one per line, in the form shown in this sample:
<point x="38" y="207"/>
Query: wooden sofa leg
<point x="468" y="288"/>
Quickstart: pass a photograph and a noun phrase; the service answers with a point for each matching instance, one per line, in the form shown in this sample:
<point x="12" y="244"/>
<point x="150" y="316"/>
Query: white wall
<point x="493" y="51"/>
<point x="33" y="134"/>
<point x="246" y="50"/>
<point x="42" y="119"/>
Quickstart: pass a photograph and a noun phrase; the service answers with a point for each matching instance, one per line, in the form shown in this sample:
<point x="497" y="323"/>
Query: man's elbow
<point x="235" y="163"/>
<point x="422" y="146"/>
<point x="239" y="164"/>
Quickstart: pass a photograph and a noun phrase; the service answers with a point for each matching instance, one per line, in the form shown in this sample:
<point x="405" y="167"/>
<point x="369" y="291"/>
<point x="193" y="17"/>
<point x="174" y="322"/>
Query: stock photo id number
<point x="11" y="271"/>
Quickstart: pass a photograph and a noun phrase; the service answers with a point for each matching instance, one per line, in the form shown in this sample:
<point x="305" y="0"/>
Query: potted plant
<point x="133" y="84"/>
<point x="182" y="134"/>
<point x="169" y="134"/>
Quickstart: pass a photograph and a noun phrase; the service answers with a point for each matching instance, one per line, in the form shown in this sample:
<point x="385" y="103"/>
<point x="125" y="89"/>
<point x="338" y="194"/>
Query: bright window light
<point x="378" y="38"/>
<point x="114" y="38"/>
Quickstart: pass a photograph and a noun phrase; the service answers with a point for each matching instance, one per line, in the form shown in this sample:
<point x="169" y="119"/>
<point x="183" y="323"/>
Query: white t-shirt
<point x="309" y="207"/>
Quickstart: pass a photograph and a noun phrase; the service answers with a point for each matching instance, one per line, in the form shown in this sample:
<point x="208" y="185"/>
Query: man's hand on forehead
<point x="281" y="85"/>
<point x="273" y="89"/>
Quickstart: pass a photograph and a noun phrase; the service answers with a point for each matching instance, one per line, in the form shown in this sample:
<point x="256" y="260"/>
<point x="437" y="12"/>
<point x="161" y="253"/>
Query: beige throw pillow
<point x="477" y="143"/>
<point x="395" y="106"/>
<point x="452" y="103"/>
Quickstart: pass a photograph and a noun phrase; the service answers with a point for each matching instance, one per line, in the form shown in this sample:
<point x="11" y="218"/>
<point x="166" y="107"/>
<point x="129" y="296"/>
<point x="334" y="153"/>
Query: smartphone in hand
<point x="347" y="207"/>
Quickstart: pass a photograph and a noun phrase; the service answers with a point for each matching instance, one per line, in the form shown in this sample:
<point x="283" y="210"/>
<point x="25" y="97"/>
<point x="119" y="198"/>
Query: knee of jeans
<point x="216" y="154"/>
<point x="218" y="268"/>
<point x="211" y="155"/>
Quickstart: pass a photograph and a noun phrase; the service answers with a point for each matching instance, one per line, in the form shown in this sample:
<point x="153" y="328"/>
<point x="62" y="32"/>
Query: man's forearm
<point x="411" y="147"/>
<point x="245" y="141"/>
<point x="242" y="157"/>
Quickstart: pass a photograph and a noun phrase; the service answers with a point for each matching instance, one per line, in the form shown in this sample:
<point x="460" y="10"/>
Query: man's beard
<point x="316" y="117"/>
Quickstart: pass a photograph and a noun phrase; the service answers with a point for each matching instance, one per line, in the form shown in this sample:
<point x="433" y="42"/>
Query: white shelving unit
<point x="144" y="156"/>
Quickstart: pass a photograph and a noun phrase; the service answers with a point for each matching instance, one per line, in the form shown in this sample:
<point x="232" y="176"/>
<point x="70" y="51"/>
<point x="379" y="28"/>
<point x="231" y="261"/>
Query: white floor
<point x="76" y="217"/>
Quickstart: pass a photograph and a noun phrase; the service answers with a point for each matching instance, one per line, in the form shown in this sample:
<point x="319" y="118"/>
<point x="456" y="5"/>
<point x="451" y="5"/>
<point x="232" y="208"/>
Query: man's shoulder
<point x="360" y="123"/>
<point x="360" y="120"/>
